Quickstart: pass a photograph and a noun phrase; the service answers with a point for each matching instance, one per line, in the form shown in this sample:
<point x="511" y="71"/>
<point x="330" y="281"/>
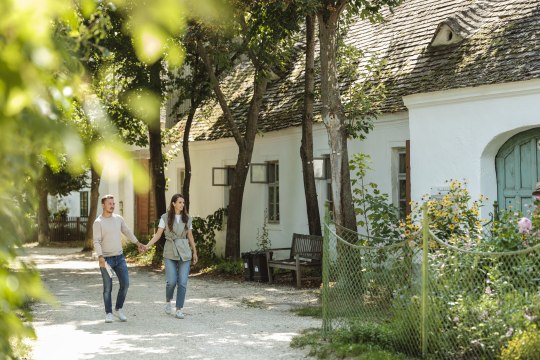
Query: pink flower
<point x="524" y="225"/>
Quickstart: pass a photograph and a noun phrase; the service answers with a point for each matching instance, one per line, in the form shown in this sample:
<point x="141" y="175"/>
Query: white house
<point x="463" y="103"/>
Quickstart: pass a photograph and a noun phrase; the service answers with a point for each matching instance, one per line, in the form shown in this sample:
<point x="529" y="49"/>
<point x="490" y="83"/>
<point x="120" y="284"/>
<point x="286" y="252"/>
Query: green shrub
<point x="131" y="252"/>
<point x="204" y="233"/>
<point x="222" y="267"/>
<point x="523" y="346"/>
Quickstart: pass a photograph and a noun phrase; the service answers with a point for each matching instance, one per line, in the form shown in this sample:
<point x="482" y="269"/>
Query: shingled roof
<point x="496" y="41"/>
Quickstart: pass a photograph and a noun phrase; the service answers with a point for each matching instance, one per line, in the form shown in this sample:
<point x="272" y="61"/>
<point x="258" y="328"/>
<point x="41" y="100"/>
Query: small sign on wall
<point x="438" y="192"/>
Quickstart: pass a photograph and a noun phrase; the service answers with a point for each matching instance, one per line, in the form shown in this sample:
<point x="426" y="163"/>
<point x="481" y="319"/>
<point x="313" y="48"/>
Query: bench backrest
<point x="307" y="246"/>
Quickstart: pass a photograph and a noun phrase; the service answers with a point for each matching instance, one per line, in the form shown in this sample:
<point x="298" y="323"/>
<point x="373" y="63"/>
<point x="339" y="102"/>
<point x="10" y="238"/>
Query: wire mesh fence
<point x="431" y="300"/>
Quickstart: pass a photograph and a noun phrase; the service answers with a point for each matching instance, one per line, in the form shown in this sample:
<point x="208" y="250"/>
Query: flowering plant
<point x="524" y="225"/>
<point x="514" y="231"/>
<point x="454" y="217"/>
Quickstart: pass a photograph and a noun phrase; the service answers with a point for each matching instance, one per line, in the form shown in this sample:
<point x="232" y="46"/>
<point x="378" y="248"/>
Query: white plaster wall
<point x="390" y="133"/>
<point x="456" y="134"/>
<point x="283" y="146"/>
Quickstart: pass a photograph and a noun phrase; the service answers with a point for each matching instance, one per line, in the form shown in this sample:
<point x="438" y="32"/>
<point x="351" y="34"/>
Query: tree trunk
<point x="334" y="119"/>
<point x="156" y="159"/>
<point x="245" y="144"/>
<point x="245" y="151"/>
<point x="236" y="197"/>
<point x="306" y="149"/>
<point x="185" y="152"/>
<point x="158" y="175"/>
<point x="94" y="203"/>
<point x="43" y="217"/>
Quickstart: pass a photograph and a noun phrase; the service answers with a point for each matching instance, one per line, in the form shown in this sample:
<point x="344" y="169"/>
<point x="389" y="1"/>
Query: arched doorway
<point x="518" y="169"/>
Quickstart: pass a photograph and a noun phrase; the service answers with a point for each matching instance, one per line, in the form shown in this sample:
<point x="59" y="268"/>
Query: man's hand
<point x="142" y="248"/>
<point x="195" y="258"/>
<point x="101" y="261"/>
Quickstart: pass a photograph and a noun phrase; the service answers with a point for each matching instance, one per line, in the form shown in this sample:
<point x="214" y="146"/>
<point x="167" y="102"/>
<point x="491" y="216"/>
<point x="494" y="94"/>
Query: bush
<point x="523" y="346"/>
<point x="204" y="233"/>
<point x="222" y="267"/>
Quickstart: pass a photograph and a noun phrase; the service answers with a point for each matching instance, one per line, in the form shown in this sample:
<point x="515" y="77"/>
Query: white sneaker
<point x="120" y="315"/>
<point x="179" y="314"/>
<point x="168" y="309"/>
<point x="108" y="318"/>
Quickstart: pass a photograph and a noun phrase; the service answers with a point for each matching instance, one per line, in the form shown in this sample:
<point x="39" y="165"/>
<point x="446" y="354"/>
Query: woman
<point x="178" y="252"/>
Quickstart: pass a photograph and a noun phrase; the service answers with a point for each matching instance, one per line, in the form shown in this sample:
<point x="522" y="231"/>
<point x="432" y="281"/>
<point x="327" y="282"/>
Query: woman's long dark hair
<point x="171" y="213"/>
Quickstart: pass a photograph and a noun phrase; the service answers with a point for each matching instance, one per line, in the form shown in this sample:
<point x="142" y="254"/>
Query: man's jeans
<point x="119" y="266"/>
<point x="176" y="273"/>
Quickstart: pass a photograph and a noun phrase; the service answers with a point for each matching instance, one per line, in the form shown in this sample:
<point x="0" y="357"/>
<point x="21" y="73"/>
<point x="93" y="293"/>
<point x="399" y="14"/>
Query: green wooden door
<point x="518" y="170"/>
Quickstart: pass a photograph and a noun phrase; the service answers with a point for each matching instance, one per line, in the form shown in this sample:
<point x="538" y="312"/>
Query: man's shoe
<point x="168" y="309"/>
<point x="120" y="315"/>
<point x="108" y="318"/>
<point x="179" y="314"/>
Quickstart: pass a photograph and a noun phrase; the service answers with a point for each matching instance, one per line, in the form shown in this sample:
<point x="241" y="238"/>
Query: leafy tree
<point x="333" y="112"/>
<point x="190" y="85"/>
<point x="54" y="181"/>
<point x="262" y="31"/>
<point x="41" y="79"/>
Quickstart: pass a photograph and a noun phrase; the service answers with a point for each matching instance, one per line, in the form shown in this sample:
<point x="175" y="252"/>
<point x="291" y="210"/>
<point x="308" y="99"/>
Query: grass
<point x="313" y="311"/>
<point x="254" y="303"/>
<point x="340" y="346"/>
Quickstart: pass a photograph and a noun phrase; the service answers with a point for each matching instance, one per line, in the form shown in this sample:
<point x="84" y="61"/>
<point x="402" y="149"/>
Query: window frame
<point x="273" y="199"/>
<point x="84" y="204"/>
<point x="258" y="173"/>
<point x="228" y="176"/>
<point x="401" y="180"/>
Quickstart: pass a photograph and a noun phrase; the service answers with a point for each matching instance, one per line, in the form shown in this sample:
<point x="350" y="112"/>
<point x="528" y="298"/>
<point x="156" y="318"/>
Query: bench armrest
<point x="275" y="249"/>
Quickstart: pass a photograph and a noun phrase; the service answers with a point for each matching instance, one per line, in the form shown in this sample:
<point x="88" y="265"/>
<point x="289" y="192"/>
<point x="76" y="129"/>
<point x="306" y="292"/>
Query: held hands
<point x="142" y="247"/>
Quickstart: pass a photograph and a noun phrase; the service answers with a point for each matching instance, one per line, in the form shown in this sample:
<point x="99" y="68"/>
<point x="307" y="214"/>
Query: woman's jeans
<point x="119" y="266"/>
<point x="176" y="273"/>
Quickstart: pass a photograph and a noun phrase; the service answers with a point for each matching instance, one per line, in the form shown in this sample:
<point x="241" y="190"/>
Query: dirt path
<point x="224" y="319"/>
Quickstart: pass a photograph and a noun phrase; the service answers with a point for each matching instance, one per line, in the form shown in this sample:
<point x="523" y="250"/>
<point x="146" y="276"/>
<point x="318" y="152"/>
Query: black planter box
<point x="247" y="259"/>
<point x="260" y="269"/>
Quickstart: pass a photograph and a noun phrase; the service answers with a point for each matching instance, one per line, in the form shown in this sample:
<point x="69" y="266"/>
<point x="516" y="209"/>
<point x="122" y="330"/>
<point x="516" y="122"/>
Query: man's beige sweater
<point x="107" y="235"/>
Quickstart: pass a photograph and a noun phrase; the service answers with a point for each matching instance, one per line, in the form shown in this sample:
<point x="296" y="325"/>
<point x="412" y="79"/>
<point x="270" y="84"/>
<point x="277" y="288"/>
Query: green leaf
<point x="144" y="105"/>
<point x="149" y="42"/>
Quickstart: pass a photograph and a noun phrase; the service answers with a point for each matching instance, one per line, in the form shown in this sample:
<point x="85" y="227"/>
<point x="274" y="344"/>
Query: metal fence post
<point x="326" y="326"/>
<point x="425" y="240"/>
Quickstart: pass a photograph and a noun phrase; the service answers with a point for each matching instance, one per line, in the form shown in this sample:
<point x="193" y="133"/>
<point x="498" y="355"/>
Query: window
<point x="273" y="191"/>
<point x="401" y="181"/>
<point x="84" y="203"/>
<point x="181" y="180"/>
<point x="268" y="173"/>
<point x="258" y="173"/>
<point x="223" y="176"/>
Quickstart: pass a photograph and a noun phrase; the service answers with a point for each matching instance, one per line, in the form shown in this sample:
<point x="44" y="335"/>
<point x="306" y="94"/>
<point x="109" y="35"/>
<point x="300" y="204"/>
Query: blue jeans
<point x="119" y="266"/>
<point x="176" y="273"/>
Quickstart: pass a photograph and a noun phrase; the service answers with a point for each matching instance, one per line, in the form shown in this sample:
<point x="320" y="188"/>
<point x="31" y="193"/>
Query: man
<point x="107" y="230"/>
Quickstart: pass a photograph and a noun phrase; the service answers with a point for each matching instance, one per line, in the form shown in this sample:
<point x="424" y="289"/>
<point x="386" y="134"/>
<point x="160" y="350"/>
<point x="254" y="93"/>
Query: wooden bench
<point x="305" y="253"/>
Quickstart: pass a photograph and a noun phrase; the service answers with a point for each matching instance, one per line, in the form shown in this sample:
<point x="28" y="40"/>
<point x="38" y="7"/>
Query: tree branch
<point x="201" y="50"/>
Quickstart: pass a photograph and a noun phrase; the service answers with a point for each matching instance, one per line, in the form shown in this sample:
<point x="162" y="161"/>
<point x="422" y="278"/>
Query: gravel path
<point x="224" y="319"/>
